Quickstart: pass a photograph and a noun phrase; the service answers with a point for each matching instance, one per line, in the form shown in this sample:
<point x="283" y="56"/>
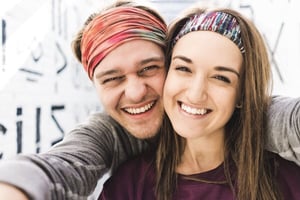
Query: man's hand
<point x="9" y="192"/>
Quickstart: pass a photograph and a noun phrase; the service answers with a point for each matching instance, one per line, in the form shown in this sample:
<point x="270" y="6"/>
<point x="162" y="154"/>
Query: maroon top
<point x="135" y="181"/>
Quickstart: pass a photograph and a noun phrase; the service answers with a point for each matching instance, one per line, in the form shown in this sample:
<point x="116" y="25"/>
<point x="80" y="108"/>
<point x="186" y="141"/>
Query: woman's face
<point x="202" y="85"/>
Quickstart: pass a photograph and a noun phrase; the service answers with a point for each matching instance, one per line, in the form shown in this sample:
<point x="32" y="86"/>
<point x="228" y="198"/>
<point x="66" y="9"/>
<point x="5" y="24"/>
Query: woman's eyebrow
<point x="182" y="58"/>
<point x="228" y="69"/>
<point x="218" y="68"/>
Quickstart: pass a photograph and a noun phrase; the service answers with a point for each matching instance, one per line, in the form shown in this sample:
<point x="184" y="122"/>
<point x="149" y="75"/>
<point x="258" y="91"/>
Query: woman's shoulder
<point x="281" y="164"/>
<point x="132" y="179"/>
<point x="135" y="169"/>
<point x="287" y="176"/>
<point x="139" y="164"/>
<point x="284" y="170"/>
<point x="285" y="165"/>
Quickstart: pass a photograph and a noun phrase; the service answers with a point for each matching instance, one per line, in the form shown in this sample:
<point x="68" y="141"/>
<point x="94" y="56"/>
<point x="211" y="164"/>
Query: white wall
<point x="279" y="21"/>
<point x="44" y="91"/>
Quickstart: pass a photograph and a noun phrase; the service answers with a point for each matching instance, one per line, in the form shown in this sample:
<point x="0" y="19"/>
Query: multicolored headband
<point x="114" y="27"/>
<point x="219" y="22"/>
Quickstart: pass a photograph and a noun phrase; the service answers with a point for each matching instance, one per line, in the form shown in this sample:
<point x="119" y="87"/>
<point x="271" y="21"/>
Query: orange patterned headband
<point x="114" y="27"/>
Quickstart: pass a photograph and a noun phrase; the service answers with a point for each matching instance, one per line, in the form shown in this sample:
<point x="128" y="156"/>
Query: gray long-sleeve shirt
<point x="71" y="169"/>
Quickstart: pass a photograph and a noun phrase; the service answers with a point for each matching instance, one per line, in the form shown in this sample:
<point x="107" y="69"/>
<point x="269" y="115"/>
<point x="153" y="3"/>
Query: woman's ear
<point x="239" y="105"/>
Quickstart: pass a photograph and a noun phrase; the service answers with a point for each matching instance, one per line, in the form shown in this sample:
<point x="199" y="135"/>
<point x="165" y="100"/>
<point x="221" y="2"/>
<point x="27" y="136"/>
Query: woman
<point x="216" y="95"/>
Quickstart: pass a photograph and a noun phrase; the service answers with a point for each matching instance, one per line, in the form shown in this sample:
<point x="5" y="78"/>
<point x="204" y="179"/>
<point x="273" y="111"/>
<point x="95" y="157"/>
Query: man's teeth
<point x="193" y="111"/>
<point x="139" y="110"/>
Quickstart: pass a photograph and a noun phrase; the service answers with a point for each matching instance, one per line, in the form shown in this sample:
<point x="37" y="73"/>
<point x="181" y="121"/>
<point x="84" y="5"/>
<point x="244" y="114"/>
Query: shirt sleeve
<point x="284" y="127"/>
<point x="72" y="168"/>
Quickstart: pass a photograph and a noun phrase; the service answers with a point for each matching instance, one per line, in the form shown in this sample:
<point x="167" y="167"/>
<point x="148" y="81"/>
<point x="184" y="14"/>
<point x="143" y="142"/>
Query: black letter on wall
<point x="38" y="129"/>
<point x="3" y="130"/>
<point x="54" y="108"/>
<point x="19" y="131"/>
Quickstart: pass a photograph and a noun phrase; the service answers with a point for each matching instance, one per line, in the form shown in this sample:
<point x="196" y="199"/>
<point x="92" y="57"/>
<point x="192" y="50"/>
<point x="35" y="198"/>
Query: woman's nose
<point x="197" y="91"/>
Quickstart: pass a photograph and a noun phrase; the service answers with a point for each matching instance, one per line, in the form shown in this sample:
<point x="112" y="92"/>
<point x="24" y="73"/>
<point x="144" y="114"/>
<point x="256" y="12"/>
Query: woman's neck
<point x="201" y="155"/>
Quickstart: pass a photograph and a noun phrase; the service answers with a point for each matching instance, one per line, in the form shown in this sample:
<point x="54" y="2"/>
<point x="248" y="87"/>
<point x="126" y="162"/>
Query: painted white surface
<point x="44" y="91"/>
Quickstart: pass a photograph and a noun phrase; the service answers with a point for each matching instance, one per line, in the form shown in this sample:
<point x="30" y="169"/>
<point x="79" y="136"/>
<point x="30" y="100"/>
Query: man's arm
<point x="284" y="127"/>
<point x="71" y="169"/>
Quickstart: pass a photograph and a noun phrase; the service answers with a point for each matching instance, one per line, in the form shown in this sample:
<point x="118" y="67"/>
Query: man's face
<point x="129" y="82"/>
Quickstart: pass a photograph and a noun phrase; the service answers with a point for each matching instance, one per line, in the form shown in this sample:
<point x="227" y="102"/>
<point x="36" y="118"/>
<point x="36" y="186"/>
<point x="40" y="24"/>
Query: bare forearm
<point x="9" y="192"/>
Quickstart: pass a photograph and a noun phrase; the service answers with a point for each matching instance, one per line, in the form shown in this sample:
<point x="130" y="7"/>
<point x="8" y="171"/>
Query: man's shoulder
<point x="101" y="121"/>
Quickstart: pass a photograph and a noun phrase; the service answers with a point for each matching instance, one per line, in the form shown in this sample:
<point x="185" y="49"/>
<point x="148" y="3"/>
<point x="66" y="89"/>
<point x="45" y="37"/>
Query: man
<point x="122" y="50"/>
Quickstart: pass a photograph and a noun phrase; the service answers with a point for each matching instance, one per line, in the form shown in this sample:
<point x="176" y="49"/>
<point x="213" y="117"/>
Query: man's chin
<point x="142" y="128"/>
<point x="144" y="135"/>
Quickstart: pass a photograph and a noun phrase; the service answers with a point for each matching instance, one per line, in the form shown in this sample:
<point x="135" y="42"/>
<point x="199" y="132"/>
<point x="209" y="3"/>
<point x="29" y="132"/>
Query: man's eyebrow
<point x="228" y="69"/>
<point x="152" y="59"/>
<point x="116" y="71"/>
<point x="108" y="72"/>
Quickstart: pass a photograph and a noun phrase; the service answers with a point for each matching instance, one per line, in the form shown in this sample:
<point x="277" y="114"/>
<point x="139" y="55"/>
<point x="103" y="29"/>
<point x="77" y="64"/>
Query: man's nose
<point x="136" y="89"/>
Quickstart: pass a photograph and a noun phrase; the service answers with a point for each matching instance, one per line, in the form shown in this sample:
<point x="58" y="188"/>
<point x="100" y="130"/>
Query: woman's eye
<point x="223" y="78"/>
<point x="183" y="69"/>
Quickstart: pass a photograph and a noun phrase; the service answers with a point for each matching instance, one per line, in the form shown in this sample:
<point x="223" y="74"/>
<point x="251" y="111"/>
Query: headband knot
<point x="115" y="27"/>
<point x="219" y="22"/>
